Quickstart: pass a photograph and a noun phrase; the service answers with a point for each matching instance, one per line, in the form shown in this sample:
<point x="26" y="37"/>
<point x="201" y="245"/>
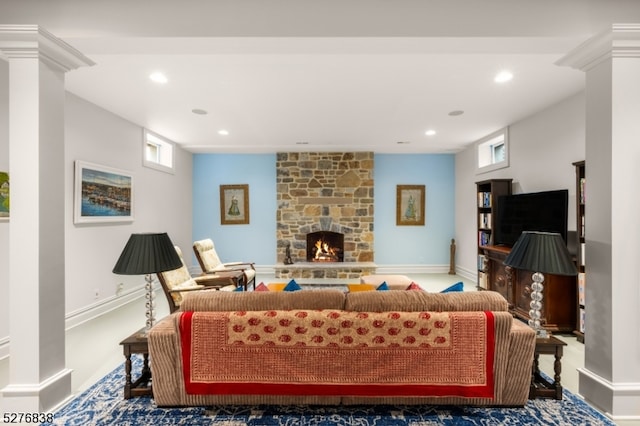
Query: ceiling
<point x="323" y="75"/>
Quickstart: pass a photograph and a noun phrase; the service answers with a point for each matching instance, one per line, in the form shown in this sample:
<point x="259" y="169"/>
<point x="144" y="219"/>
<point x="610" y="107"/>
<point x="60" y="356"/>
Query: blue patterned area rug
<point x="103" y="404"/>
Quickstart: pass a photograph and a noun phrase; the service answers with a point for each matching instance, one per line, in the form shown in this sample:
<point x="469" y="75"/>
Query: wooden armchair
<point x="178" y="281"/>
<point x="210" y="262"/>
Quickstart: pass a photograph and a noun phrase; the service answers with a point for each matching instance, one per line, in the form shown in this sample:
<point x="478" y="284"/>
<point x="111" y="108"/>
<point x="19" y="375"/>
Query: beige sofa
<point x="476" y="331"/>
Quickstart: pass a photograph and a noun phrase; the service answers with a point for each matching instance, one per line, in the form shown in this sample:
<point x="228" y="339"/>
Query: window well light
<point x="158" y="77"/>
<point x="503" y="76"/>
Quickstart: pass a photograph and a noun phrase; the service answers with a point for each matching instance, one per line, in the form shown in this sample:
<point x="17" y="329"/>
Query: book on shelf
<point x="484" y="238"/>
<point x="582" y="189"/>
<point x="581" y="288"/>
<point x="484" y="199"/>
<point x="484" y="220"/>
<point x="482" y="280"/>
<point x="482" y="262"/>
<point x="582" y="318"/>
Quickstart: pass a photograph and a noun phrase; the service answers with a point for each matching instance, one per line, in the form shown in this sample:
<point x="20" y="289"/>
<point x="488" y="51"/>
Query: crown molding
<point x="619" y="41"/>
<point x="32" y="41"/>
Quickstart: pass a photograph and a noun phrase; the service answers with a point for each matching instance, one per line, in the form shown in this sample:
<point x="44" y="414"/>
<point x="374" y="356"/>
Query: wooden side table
<point x="137" y="343"/>
<point x="540" y="387"/>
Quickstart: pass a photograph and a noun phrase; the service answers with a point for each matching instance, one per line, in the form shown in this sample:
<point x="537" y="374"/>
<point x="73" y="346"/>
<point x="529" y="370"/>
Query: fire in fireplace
<point x="325" y="246"/>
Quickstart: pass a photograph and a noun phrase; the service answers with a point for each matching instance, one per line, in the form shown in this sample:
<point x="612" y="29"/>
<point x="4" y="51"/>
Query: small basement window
<point x="492" y="152"/>
<point x="157" y="152"/>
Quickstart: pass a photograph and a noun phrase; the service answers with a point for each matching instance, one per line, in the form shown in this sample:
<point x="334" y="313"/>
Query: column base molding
<point x="619" y="401"/>
<point x="37" y="397"/>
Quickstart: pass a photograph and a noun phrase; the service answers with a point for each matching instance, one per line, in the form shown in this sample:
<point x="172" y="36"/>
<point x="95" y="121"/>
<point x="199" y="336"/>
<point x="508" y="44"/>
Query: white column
<point x="38" y="378"/>
<point x="610" y="378"/>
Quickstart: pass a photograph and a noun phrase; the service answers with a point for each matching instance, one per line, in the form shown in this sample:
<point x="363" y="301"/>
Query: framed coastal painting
<point x="234" y="204"/>
<point x="102" y="194"/>
<point x="4" y="196"/>
<point x="410" y="205"/>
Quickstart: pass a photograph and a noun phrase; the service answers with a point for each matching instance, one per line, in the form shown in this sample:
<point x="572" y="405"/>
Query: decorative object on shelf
<point x="287" y="255"/>
<point x="102" y="194"/>
<point x="544" y="253"/>
<point x="410" y="205"/>
<point x="234" y="204"/>
<point x="148" y="253"/>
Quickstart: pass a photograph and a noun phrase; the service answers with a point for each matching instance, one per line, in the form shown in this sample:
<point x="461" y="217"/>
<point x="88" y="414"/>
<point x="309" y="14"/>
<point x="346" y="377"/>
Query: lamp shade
<point x="147" y="253"/>
<point x="543" y="252"/>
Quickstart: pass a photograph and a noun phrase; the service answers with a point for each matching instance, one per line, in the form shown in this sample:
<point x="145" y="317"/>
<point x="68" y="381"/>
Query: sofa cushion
<point x="360" y="287"/>
<point x="292" y="286"/>
<point x="378" y="301"/>
<point x="383" y="287"/>
<point x="262" y="300"/>
<point x="261" y="287"/>
<point x="455" y="287"/>
<point x="414" y="286"/>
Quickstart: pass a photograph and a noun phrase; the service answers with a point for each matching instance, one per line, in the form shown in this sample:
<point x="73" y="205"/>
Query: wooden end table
<point x="137" y="343"/>
<point x="540" y="387"/>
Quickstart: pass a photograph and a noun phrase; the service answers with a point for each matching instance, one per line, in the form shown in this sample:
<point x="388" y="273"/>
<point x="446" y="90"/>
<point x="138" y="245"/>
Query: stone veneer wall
<point x="320" y="191"/>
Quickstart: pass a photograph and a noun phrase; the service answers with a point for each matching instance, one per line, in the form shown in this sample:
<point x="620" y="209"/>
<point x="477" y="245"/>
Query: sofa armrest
<point x="522" y="343"/>
<point x="166" y="364"/>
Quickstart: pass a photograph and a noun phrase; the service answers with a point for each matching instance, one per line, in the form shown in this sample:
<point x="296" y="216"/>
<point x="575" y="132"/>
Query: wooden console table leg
<point x="127" y="380"/>
<point x="557" y="369"/>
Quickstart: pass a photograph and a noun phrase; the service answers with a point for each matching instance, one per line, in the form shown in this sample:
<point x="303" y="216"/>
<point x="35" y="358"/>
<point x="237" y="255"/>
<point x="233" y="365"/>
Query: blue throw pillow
<point x="383" y="286"/>
<point x="456" y="287"/>
<point x="292" y="286"/>
<point x="239" y="288"/>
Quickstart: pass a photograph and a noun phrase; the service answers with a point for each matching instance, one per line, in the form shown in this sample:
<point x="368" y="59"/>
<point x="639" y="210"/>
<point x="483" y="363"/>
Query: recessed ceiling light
<point x="199" y="111"/>
<point x="158" y="77"/>
<point x="223" y="132"/>
<point x="456" y="113"/>
<point x="430" y="132"/>
<point x="503" y="76"/>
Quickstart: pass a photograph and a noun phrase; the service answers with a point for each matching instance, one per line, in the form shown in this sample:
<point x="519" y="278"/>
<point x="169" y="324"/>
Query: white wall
<point x="542" y="149"/>
<point x="162" y="202"/>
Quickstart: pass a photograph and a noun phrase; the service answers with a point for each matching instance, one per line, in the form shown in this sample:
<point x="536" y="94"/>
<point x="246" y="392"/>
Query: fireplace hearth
<point x="325" y="246"/>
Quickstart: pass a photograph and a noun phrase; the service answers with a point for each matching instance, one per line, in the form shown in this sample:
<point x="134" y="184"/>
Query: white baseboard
<point x="90" y="312"/>
<point x="83" y="315"/>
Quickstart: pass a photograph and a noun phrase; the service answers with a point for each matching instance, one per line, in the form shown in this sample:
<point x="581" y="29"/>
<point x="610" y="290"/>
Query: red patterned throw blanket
<point x="340" y="353"/>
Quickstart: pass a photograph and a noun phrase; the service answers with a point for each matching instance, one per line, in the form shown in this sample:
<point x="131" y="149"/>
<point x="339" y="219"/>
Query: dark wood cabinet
<point x="497" y="273"/>
<point x="559" y="295"/>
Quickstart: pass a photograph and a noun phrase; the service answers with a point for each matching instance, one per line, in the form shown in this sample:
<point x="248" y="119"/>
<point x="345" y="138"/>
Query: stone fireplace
<point x="330" y="193"/>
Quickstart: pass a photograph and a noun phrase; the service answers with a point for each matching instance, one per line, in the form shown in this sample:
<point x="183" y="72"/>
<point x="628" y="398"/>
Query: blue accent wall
<point x="394" y="245"/>
<point x="424" y="245"/>
<point x="254" y="242"/>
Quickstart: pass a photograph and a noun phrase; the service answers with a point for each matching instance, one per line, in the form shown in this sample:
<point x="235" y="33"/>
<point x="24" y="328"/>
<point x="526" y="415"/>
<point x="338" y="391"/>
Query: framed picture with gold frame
<point x="234" y="204"/>
<point x="410" y="205"/>
<point x="4" y="196"/>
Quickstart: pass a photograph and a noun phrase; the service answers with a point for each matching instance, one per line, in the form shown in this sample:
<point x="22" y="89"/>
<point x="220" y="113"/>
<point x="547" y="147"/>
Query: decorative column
<point x="610" y="378"/>
<point x="38" y="377"/>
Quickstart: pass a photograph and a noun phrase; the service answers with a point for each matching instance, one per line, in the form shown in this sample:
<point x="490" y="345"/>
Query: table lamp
<point x="544" y="253"/>
<point x="147" y="254"/>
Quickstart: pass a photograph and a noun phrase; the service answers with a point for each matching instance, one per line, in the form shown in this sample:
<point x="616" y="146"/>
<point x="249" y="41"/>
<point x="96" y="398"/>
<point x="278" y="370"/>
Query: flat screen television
<point x="536" y="211"/>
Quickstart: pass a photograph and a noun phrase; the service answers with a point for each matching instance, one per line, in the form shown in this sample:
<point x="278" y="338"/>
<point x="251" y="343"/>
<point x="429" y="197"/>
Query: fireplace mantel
<point x="341" y="270"/>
